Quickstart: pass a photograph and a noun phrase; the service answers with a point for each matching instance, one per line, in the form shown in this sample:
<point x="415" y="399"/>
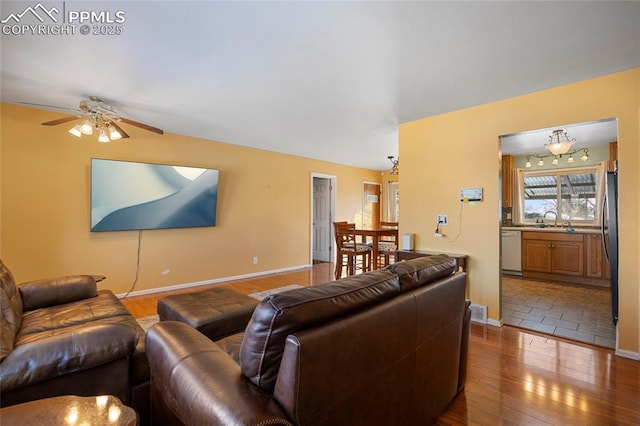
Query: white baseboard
<point x="494" y="323"/>
<point x="628" y="354"/>
<point x="212" y="281"/>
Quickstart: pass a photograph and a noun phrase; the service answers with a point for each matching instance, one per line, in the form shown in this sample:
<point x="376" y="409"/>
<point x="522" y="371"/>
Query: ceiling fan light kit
<point x="76" y="130"/>
<point x="87" y="128"/>
<point x="99" y="116"/>
<point x="559" y="144"/>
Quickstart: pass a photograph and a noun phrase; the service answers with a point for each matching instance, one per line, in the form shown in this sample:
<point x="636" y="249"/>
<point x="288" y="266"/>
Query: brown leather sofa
<point x="64" y="337"/>
<point x="385" y="347"/>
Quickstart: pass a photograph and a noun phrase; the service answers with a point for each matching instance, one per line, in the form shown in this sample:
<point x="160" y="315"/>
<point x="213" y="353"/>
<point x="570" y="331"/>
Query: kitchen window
<point x="560" y="196"/>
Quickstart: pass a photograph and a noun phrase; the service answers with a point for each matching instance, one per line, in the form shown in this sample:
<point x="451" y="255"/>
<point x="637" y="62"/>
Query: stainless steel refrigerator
<point x="610" y="236"/>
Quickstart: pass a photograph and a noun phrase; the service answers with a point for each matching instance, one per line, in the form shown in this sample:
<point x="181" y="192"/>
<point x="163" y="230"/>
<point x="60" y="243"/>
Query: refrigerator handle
<point x="602" y="230"/>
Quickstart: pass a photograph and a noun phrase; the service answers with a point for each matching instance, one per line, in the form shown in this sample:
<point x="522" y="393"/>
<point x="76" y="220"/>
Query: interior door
<point x="371" y="205"/>
<point x="321" y="219"/>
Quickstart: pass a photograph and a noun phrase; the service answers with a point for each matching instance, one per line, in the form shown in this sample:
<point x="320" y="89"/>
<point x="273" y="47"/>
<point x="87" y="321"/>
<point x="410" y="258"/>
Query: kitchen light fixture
<point x="559" y="144"/>
<point x="396" y="165"/>
<point x="541" y="157"/>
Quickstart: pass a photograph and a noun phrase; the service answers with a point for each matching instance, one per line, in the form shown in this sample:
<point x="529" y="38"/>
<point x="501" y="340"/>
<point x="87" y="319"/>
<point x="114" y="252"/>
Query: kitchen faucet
<point x="555" y="215"/>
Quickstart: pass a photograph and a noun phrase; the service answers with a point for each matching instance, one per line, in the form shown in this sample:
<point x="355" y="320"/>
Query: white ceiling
<point x="325" y="80"/>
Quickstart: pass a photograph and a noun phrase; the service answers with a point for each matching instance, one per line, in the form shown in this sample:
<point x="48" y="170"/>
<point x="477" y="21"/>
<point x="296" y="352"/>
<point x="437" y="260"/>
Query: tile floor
<point x="576" y="312"/>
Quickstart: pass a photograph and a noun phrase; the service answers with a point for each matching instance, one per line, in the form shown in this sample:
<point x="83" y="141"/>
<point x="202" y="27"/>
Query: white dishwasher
<point x="511" y="252"/>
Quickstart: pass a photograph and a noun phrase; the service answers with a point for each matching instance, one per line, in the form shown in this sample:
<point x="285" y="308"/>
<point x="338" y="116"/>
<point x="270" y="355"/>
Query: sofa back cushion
<point x="8" y="326"/>
<point x="8" y="284"/>
<point x="281" y="314"/>
<point x="57" y="291"/>
<point x="10" y="311"/>
<point x="422" y="270"/>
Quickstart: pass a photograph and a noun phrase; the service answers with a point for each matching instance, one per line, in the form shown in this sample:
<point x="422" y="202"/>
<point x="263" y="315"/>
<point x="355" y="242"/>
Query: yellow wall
<point x="444" y="153"/>
<point x="263" y="207"/>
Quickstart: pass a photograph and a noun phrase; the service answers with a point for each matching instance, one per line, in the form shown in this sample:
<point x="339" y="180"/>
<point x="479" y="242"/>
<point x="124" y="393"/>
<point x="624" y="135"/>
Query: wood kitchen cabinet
<point x="555" y="253"/>
<point x="507" y="180"/>
<point x="596" y="261"/>
<point x="572" y="257"/>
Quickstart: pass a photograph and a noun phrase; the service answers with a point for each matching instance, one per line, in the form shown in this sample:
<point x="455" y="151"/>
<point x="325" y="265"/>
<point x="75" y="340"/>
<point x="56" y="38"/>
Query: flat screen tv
<point x="126" y="195"/>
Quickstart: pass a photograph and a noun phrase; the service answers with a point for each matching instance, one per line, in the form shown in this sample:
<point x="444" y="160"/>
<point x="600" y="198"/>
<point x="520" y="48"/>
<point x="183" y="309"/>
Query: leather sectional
<point x="383" y="347"/>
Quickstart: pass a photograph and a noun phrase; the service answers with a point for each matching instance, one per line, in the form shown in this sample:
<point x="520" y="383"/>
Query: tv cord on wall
<point x="460" y="223"/>
<point x="137" y="266"/>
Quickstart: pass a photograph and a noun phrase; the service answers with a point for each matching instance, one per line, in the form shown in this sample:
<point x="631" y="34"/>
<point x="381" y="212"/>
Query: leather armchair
<point x="64" y="336"/>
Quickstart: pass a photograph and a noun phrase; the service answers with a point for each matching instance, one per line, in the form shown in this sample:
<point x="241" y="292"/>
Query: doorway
<point x="322" y="213"/>
<point x="537" y="186"/>
<point x="371" y="192"/>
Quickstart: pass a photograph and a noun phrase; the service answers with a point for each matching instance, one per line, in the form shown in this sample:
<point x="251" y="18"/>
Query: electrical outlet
<point x="255" y="260"/>
<point x="443" y="219"/>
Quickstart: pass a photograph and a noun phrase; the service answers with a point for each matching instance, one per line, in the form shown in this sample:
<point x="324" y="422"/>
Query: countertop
<point x="552" y="229"/>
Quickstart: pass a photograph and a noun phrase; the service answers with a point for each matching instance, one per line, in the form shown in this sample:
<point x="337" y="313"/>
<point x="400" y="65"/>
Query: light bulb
<point x="584" y="157"/>
<point x="103" y="137"/>
<point x="570" y="159"/>
<point x="528" y="164"/>
<point x="114" y="134"/>
<point x="87" y="127"/>
<point x="75" y="131"/>
<point x="555" y="161"/>
<point x="541" y="163"/>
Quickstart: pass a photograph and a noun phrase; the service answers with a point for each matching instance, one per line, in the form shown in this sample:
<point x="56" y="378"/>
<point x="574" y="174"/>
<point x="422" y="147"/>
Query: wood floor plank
<point x="514" y="376"/>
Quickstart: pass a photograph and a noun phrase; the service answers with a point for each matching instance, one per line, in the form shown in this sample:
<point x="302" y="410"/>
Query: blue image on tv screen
<point x="127" y="195"/>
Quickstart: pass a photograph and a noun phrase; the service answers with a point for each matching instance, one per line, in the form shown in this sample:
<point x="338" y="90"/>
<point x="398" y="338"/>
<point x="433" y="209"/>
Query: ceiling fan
<point x="97" y="115"/>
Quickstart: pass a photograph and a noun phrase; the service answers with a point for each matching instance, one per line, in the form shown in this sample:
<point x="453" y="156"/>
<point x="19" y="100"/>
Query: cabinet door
<point x="535" y="255"/>
<point x="567" y="258"/>
<point x="595" y="261"/>
<point x="507" y="181"/>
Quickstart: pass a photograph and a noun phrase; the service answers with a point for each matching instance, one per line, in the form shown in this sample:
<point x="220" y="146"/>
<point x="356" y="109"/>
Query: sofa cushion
<point x="57" y="291"/>
<point x="104" y="305"/>
<point x="58" y="352"/>
<point x="422" y="270"/>
<point x="281" y="314"/>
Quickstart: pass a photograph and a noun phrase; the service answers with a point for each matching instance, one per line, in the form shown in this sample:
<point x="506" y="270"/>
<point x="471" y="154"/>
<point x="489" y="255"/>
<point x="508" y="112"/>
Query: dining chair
<point x="347" y="248"/>
<point x="388" y="245"/>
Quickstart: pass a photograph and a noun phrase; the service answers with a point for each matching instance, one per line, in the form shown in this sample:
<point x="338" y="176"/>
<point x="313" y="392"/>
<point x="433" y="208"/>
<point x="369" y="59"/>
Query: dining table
<point x="376" y="234"/>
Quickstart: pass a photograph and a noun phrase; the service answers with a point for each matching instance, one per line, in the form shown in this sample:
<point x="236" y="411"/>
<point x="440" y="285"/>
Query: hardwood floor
<point x="514" y="377"/>
<point x="141" y="306"/>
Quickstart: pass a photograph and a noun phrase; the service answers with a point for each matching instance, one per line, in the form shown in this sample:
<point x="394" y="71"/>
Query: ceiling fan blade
<point x="61" y="120"/>
<point x="53" y="107"/>
<point x="119" y="129"/>
<point x="142" y="126"/>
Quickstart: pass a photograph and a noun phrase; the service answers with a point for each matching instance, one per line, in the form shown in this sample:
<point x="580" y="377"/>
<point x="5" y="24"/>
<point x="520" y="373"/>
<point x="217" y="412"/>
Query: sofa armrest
<point x="200" y="384"/>
<point x="66" y="351"/>
<point x="464" y="346"/>
<point x="48" y="292"/>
